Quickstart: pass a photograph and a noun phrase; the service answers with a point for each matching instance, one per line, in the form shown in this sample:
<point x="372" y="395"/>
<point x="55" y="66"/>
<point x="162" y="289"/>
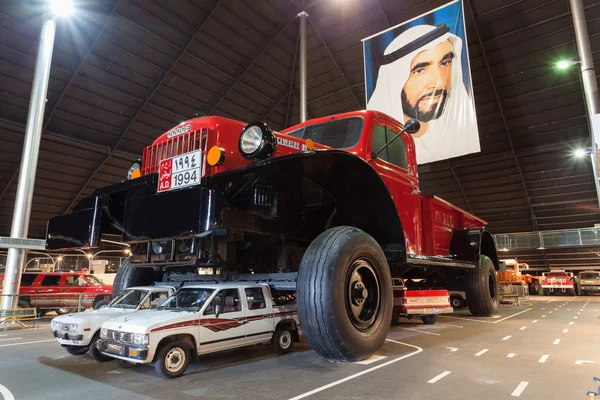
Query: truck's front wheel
<point x="481" y="288"/>
<point x="344" y="295"/>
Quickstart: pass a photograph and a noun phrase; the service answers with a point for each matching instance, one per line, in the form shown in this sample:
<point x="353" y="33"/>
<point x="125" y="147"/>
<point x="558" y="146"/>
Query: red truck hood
<point x="206" y="132"/>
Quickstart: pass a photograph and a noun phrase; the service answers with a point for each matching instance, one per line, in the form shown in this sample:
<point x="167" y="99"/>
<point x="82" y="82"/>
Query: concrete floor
<point x="547" y="348"/>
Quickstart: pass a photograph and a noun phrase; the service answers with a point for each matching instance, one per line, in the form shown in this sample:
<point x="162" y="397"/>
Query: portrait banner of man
<point x="420" y="69"/>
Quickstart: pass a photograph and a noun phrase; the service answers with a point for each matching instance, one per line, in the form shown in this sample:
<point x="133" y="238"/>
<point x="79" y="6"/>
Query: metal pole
<point x="31" y="148"/>
<point x="303" y="113"/>
<point x="590" y="86"/>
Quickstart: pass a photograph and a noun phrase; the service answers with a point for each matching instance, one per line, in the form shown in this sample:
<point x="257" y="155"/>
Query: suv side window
<point x="395" y="153"/>
<point x="256" y="298"/>
<point x="74" y="280"/>
<point x="28" y="279"/>
<point x="51" y="280"/>
<point x="229" y="300"/>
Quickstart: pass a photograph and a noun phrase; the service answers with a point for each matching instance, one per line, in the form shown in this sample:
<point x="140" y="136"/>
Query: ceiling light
<point x="580" y="152"/>
<point x="564" y="64"/>
<point x="62" y="8"/>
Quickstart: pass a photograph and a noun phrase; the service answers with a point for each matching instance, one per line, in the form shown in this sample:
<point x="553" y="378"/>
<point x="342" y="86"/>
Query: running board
<point x="438" y="261"/>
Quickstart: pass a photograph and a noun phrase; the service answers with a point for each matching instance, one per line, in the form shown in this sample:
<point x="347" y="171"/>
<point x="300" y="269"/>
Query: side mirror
<point x="412" y="126"/>
<point x="217" y="310"/>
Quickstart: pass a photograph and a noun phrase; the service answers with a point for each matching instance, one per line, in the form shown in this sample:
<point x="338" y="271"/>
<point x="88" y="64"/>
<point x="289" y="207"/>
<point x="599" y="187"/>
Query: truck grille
<point x="181" y="144"/>
<point x="118" y="336"/>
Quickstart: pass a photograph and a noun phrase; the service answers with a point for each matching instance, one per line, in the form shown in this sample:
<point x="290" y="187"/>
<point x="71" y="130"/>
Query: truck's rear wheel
<point x="172" y="360"/>
<point x="344" y="295"/>
<point x="429" y="319"/>
<point x="481" y="288"/>
<point x="128" y="276"/>
<point x="534" y="287"/>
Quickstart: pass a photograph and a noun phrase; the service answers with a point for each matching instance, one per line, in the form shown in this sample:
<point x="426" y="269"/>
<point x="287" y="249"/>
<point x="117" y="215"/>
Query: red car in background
<point x="62" y="291"/>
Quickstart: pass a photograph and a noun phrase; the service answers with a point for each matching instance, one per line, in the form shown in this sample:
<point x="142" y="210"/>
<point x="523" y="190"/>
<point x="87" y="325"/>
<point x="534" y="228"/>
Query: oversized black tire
<point x="481" y="288"/>
<point x="344" y="295"/>
<point x="172" y="359"/>
<point x="101" y="304"/>
<point x="283" y="340"/>
<point x="76" y="350"/>
<point x="128" y="276"/>
<point x="62" y="311"/>
<point x="546" y="292"/>
<point x="429" y="319"/>
<point x="534" y="287"/>
<point x="94" y="352"/>
<point x="570" y="292"/>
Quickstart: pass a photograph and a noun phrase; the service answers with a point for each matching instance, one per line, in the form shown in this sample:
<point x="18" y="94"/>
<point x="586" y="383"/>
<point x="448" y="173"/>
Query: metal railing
<point x="62" y="302"/>
<point x="548" y="239"/>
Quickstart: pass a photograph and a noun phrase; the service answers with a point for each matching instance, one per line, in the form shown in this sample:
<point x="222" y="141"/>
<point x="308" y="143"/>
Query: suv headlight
<point x="257" y="141"/>
<point x="104" y="333"/>
<point x="140" y="338"/>
<point x="54" y="325"/>
<point x="72" y="328"/>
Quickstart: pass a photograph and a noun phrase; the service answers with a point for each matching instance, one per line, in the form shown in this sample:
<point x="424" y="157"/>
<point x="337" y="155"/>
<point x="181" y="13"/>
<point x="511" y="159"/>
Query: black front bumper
<point x="134" y="210"/>
<point x="66" y="336"/>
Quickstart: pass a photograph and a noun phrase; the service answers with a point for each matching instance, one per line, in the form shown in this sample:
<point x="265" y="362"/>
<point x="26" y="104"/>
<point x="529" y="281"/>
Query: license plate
<point x="180" y="171"/>
<point x="113" y="348"/>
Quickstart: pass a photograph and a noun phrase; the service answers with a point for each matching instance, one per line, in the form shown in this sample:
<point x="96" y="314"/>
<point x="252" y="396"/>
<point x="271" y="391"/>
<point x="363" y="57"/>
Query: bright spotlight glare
<point x="580" y="153"/>
<point x="89" y="255"/>
<point x="62" y="8"/>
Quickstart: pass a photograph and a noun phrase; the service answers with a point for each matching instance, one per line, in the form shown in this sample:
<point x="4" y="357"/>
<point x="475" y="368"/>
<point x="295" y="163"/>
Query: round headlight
<point x="135" y="170"/>
<point x="158" y="247"/>
<point x="257" y="141"/>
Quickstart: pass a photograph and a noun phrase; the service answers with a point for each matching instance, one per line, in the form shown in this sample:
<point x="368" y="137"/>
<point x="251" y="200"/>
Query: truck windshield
<point x="590" y="275"/>
<point x="129" y="299"/>
<point x="337" y="133"/>
<point x="556" y="274"/>
<point x="190" y="299"/>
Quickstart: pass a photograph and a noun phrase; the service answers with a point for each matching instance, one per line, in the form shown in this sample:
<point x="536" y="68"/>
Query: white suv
<point x="200" y="319"/>
<point x="76" y="332"/>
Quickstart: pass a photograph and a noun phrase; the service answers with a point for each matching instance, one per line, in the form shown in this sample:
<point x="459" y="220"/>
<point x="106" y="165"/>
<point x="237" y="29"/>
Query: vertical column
<point x="31" y="148"/>
<point x="303" y="110"/>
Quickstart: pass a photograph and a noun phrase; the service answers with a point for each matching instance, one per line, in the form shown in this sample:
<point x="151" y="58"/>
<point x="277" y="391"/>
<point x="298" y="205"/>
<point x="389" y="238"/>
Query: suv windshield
<point x="590" y="275"/>
<point x="190" y="299"/>
<point x="556" y="274"/>
<point x="94" y="281"/>
<point x="129" y="298"/>
<point x="337" y="133"/>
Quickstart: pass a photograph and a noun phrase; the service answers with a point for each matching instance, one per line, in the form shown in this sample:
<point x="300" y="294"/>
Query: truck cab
<point x="422" y="303"/>
<point x="558" y="282"/>
<point x="589" y="282"/>
<point x="200" y="319"/>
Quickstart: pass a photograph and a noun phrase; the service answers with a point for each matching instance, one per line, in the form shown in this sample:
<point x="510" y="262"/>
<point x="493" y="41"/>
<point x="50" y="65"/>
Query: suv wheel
<point x="172" y="360"/>
<point x="283" y="340"/>
<point x="63" y="311"/>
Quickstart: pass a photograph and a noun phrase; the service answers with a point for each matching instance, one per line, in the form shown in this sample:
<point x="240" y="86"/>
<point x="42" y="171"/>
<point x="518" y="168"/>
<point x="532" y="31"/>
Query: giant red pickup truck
<point x="329" y="209"/>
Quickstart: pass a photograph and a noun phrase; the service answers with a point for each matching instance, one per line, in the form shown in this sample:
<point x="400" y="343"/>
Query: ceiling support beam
<point x="292" y="76"/>
<point x="156" y="87"/>
<point x="501" y="109"/>
<point x="256" y="56"/>
<point x="460" y="186"/>
<point x="64" y="90"/>
<point x="337" y="66"/>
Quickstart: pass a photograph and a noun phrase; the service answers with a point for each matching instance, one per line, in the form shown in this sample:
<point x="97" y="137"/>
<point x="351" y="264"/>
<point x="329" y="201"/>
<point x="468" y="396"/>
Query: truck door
<point x="394" y="165"/>
<point x="259" y="316"/>
<point x="229" y="329"/>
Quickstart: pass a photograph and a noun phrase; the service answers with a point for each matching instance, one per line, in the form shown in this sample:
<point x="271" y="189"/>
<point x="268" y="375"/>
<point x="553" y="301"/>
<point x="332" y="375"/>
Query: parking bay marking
<point x="14" y="338"/>
<point x="486" y="322"/>
<point x="418" y="330"/>
<point x="348" y="378"/>
<point x="440" y="376"/>
<point x="543" y="358"/>
<point x="522" y="328"/>
<point x="511" y="355"/>
<point x="506" y="337"/>
<point x="557" y="341"/>
<point x="519" y="389"/>
<point x="481" y="352"/>
<point x="6" y="393"/>
<point x="19" y="344"/>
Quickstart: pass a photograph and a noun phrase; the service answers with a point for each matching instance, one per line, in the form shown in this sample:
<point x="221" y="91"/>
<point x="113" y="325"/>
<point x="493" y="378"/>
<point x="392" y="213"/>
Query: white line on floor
<point x="534" y="321"/>
<point x="517" y="392"/>
<point x="19" y="344"/>
<point x="568" y="309"/>
<point x="574" y="317"/>
<point x="556" y="309"/>
<point x="371" y="360"/>
<point x="348" y="378"/>
<point x="418" y="330"/>
<point x="481" y="352"/>
<point x="565" y="330"/>
<point x="452" y="349"/>
<point x="115" y="371"/>
<point x="557" y="341"/>
<point x="543" y="316"/>
<point x="511" y="355"/>
<point x="550" y="312"/>
<point x="522" y="328"/>
<point x="543" y="358"/>
<point x="550" y="301"/>
<point x="543" y="308"/>
<point x="6" y="393"/>
<point x="571" y="323"/>
<point x="3" y="335"/>
<point x="578" y="313"/>
<point x="454" y="326"/>
<point x="14" y="338"/>
<point x="440" y="376"/>
<point x="487" y="322"/>
<point x="506" y="337"/>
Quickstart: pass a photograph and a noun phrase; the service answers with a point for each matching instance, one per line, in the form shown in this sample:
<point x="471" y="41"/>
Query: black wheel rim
<point x="363" y="294"/>
<point x="492" y="286"/>
<point x="456" y="302"/>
